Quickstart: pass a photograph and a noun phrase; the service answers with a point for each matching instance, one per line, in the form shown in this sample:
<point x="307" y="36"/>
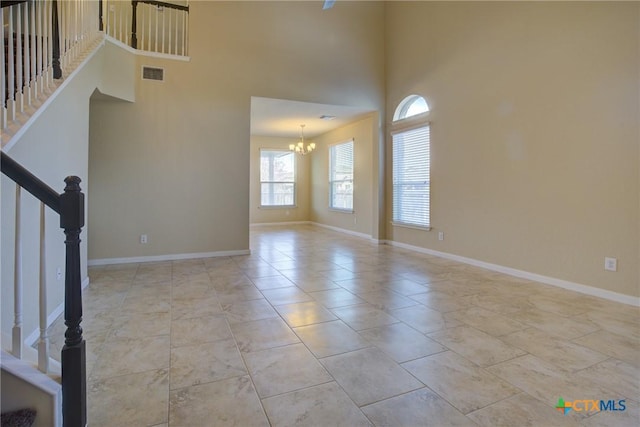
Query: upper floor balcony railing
<point x="149" y="25"/>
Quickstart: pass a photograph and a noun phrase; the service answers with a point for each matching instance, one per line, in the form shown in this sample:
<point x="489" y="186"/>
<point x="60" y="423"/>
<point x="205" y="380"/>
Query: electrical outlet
<point x="440" y="235"/>
<point x="58" y="273"/>
<point x="611" y="264"/>
<point x="143" y="239"/>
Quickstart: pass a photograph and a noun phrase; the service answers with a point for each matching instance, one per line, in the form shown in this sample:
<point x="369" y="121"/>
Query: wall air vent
<point x="152" y="73"/>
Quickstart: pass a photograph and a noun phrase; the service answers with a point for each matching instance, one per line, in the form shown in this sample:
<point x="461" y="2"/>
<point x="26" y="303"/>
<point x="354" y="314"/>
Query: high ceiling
<point x="281" y="117"/>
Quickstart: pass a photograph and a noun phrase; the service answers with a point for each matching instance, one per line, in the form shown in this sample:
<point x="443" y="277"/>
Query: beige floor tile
<point x="240" y="293"/>
<point x="139" y="325"/>
<point x="205" y="362"/>
<point x="401" y="342"/>
<point x="487" y="321"/>
<point x="146" y="304"/>
<point x="322" y="405"/>
<point x="441" y="301"/>
<point x="621" y="347"/>
<point x="136" y="399"/>
<point x="562" y="353"/>
<point x="284" y="369"/>
<point x="507" y="305"/>
<point x="263" y="334"/>
<point x="313" y="284"/>
<point x="463" y="384"/>
<point x="246" y="311"/>
<point x="449" y="301"/>
<point x="195" y="307"/>
<point x="275" y="282"/>
<point x="546" y="382"/>
<point x="612" y="322"/>
<point x="289" y="295"/>
<point x="555" y="324"/>
<point x="405" y="287"/>
<point x="199" y="330"/>
<point x="334" y="298"/>
<point x="555" y="305"/>
<point x="386" y="299"/>
<point x="417" y="408"/>
<point x="330" y="338"/>
<point x="522" y="410"/>
<point x="615" y="375"/>
<point x="121" y="356"/>
<point x="230" y="402"/>
<point x="363" y="316"/>
<point x="368" y="375"/>
<point x="304" y="313"/>
<point x="423" y="319"/>
<point x="476" y="346"/>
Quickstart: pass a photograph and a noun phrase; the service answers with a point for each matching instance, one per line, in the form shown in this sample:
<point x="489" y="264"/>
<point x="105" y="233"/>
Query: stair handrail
<point x="134" y="20"/>
<point x="70" y="206"/>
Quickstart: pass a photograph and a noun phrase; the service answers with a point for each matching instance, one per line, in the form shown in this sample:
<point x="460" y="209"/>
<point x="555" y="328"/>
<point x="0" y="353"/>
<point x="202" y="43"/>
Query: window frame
<point x="404" y="125"/>
<point x="294" y="182"/>
<point x="331" y="176"/>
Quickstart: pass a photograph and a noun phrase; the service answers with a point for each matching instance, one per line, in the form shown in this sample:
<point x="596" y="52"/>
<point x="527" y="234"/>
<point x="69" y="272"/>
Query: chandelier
<point x="300" y="147"/>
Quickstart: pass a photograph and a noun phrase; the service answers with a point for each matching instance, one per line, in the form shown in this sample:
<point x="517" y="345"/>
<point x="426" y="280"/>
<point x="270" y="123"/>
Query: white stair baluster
<point x="43" y="342"/>
<point x="16" y="332"/>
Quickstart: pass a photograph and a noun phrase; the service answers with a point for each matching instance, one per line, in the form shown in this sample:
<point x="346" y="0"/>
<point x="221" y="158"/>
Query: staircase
<point x="46" y="44"/>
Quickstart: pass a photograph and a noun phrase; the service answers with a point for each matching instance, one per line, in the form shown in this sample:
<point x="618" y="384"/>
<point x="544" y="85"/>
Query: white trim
<point x="411" y="226"/>
<point x="275" y="224"/>
<point x="565" y="284"/>
<point x="33" y="336"/>
<point x="170" y="257"/>
<point x="344" y="230"/>
<point x="145" y="53"/>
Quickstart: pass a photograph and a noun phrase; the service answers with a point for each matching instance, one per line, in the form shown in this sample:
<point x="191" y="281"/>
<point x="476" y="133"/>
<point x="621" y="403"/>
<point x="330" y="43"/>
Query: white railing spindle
<point x="19" y="63"/>
<point x="3" y="109"/>
<point x="43" y="342"/>
<point x="27" y="55"/>
<point x="34" y="40"/>
<point x="16" y="332"/>
<point x="11" y="70"/>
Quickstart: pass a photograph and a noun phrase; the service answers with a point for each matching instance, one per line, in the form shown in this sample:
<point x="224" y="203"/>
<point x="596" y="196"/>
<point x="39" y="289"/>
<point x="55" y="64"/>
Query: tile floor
<point x="316" y="328"/>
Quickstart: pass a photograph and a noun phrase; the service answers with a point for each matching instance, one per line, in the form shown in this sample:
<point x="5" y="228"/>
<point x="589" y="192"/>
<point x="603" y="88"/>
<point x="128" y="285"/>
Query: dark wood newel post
<point x="100" y="23"/>
<point x="74" y="381"/>
<point x="55" y="31"/>
<point x="134" y="20"/>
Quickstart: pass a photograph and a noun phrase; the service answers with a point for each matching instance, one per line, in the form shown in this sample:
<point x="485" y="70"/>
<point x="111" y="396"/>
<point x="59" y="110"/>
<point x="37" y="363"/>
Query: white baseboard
<point x="275" y="224"/>
<point x="171" y="257"/>
<point x="345" y="231"/>
<point x="577" y="287"/>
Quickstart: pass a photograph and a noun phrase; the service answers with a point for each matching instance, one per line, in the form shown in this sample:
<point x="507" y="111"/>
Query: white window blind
<point x="341" y="176"/>
<point x="277" y="178"/>
<point x="411" y="177"/>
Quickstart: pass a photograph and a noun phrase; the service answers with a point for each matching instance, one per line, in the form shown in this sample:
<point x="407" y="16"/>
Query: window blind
<point x="411" y="177"/>
<point x="341" y="176"/>
<point x="277" y="178"/>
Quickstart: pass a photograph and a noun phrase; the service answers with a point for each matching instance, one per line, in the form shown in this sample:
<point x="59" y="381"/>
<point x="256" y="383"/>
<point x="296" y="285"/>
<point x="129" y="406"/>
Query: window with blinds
<point x="341" y="176"/>
<point x="411" y="177"/>
<point x="277" y="178"/>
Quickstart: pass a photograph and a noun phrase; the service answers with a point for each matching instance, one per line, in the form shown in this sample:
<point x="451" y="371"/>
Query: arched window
<point x="411" y="106"/>
<point x="411" y="158"/>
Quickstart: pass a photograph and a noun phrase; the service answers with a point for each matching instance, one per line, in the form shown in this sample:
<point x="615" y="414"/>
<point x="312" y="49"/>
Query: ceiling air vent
<point x="152" y="73"/>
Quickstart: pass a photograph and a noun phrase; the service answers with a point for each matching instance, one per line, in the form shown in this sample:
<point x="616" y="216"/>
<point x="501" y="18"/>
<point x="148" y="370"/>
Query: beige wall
<point x="365" y="138"/>
<point x="534" y="130"/>
<point x="268" y="215"/>
<point x="175" y="164"/>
